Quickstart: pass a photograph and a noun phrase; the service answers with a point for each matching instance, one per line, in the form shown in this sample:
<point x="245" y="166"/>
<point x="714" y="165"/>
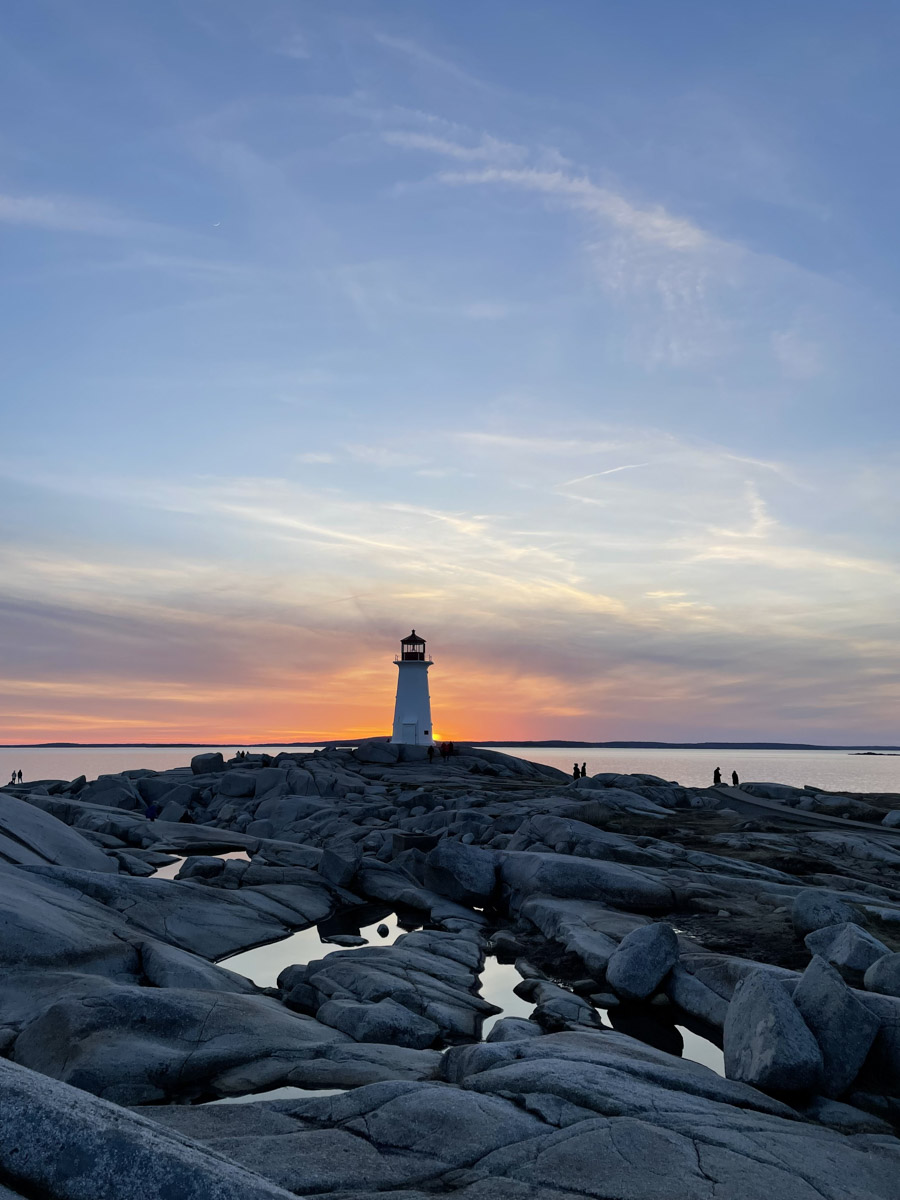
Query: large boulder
<point x="205" y="764"/>
<point x="842" y="1025"/>
<point x="466" y="874"/>
<point x="817" y="908"/>
<point x="238" y="784"/>
<point x="642" y="960"/>
<point x="377" y="753"/>
<point x="766" y="1041"/>
<point x="883" y="975"/>
<point x="848" y="947"/>
<point x="271" y="781"/>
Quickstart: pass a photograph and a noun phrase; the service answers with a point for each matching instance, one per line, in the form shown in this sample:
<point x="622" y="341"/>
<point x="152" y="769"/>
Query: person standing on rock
<point x="735" y="782"/>
<point x="717" y="776"/>
<point x="450" y="749"/>
<point x="431" y="754"/>
<point x="12" y="778"/>
<point x="584" y="770"/>
<point x="576" y="774"/>
<point x="20" y="776"/>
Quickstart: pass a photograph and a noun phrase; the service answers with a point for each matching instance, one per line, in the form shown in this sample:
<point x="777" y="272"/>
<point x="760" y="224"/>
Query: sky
<point x="565" y="331"/>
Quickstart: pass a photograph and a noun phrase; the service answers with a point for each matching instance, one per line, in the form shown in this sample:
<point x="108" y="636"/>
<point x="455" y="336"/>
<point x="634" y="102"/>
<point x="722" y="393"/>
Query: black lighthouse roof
<point x="412" y="639"/>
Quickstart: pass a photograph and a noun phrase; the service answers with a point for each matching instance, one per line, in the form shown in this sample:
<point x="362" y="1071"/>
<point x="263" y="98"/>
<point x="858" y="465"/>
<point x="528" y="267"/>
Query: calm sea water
<point x="832" y="770"/>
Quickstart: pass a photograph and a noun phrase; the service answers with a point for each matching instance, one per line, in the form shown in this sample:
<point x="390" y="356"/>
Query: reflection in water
<point x="651" y="1027"/>
<point x="640" y="1024"/>
<point x="701" y="1050"/>
<point x="497" y="982"/>
<point x="282" y="1093"/>
<point x="264" y="964"/>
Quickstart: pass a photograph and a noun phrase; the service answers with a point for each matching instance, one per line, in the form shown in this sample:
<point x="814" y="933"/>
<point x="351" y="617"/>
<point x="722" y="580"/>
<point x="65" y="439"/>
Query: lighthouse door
<point x="409" y="733"/>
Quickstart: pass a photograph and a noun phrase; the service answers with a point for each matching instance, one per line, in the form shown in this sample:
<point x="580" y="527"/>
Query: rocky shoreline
<point x="765" y="919"/>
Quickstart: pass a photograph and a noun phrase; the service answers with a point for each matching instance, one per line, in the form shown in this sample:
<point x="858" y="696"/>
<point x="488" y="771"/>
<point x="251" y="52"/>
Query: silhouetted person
<point x="735" y="782"/>
<point x="576" y="774"/>
<point x="717" y="776"/>
<point x="444" y="751"/>
<point x="583" y="770"/>
<point x="20" y="777"/>
<point x="12" y="778"/>
<point x="431" y="754"/>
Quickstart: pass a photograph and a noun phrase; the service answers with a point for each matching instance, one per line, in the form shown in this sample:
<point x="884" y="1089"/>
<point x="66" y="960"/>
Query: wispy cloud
<point x="608" y="471"/>
<point x="423" y="58"/>
<point x="487" y="149"/>
<point x="69" y="214"/>
<point x="648" y="224"/>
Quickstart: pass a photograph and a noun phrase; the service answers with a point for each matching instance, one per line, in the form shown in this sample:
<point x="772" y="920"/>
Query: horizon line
<point x="548" y="743"/>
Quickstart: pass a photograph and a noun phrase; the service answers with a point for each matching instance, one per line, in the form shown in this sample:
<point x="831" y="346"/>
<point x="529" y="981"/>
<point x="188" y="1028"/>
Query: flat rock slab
<point x="139" y="1045"/>
<point x="564" y="877"/>
<point x="213" y="923"/>
<point x="30" y="836"/>
<point x="560" y="1116"/>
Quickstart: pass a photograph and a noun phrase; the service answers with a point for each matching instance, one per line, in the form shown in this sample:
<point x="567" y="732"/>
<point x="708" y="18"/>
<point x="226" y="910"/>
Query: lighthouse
<point x="412" y="710"/>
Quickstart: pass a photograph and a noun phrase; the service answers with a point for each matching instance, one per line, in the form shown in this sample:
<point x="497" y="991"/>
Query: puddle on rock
<point x="281" y="1093"/>
<point x="499" y="979"/>
<point x="263" y="964"/>
<point x="497" y="982"/>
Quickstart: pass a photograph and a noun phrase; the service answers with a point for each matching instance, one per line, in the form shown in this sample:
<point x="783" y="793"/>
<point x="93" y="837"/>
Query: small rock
<point x="382" y="930"/>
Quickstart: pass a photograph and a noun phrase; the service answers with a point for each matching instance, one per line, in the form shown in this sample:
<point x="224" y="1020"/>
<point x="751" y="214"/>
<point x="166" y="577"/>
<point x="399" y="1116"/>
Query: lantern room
<point x="412" y="648"/>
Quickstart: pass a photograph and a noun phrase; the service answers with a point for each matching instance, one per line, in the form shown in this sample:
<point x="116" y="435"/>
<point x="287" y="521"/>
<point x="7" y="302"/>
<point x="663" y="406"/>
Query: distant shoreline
<point x="552" y="744"/>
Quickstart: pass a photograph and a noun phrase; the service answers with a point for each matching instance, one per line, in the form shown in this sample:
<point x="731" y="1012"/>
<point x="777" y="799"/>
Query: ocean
<point x="831" y="770"/>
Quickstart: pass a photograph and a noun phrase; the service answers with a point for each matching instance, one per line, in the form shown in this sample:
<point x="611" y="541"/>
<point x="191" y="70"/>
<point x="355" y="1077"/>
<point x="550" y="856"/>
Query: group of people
<point x="717" y="778"/>
<point x="16" y="777"/>
<point x="579" y="772"/>
<point x="445" y="749"/>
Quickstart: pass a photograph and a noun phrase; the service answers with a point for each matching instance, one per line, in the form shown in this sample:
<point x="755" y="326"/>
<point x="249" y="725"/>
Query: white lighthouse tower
<point x="412" y="710"/>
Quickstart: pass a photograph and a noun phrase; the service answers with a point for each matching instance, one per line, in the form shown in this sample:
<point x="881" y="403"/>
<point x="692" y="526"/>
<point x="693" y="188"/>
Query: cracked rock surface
<point x="765" y="919"/>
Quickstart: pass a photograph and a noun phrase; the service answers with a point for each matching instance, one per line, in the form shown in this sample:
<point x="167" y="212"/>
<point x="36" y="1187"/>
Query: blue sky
<point x="565" y="332"/>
